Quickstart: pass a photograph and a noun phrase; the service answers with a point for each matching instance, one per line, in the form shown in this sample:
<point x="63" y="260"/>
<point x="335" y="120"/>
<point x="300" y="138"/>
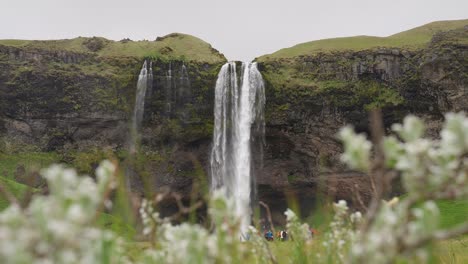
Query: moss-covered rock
<point x="311" y="94"/>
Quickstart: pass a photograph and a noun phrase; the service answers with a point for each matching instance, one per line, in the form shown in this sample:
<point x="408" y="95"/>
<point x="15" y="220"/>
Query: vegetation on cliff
<point x="415" y="38"/>
<point x="419" y="70"/>
<point x="174" y="46"/>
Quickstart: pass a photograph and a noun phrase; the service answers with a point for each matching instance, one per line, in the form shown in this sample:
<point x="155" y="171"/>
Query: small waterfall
<point x="137" y="118"/>
<point x="239" y="125"/>
<point x="184" y="94"/>
<point x="184" y="78"/>
<point x="168" y="91"/>
<point x="177" y="91"/>
<point x="149" y="91"/>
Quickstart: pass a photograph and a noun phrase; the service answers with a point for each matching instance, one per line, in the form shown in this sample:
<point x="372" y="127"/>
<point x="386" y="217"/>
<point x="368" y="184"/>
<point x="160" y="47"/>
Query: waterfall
<point x="137" y="118"/>
<point x="239" y="125"/>
<point x="149" y="91"/>
<point x="177" y="91"/>
<point x="168" y="91"/>
<point x="184" y="78"/>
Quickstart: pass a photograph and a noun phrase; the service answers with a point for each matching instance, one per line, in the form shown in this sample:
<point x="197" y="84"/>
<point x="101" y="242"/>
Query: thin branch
<point x="183" y="210"/>
<point x="377" y="172"/>
<point x="268" y="212"/>
<point x="107" y="193"/>
<point x="358" y="196"/>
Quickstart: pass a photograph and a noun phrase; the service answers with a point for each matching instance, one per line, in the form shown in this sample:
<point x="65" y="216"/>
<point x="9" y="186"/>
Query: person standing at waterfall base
<point x="284" y="235"/>
<point x="269" y="235"/>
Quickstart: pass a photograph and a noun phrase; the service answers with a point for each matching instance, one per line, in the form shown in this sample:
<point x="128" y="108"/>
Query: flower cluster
<point x="356" y="149"/>
<point x="57" y="228"/>
<point x="300" y="231"/>
<point x="430" y="169"/>
<point x="179" y="243"/>
<point x="343" y="231"/>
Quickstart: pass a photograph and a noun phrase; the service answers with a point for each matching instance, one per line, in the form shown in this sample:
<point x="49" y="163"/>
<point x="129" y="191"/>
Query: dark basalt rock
<point x="303" y="119"/>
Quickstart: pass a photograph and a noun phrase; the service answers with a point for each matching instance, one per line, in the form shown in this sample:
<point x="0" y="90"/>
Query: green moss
<point x="292" y="178"/>
<point x="375" y="95"/>
<point x="283" y="107"/>
<point x="287" y="83"/>
<point x="85" y="162"/>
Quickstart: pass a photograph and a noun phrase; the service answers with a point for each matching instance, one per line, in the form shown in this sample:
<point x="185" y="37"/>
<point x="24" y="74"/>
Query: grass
<point x="173" y="46"/>
<point x="452" y="251"/>
<point x="116" y="225"/>
<point x="411" y="39"/>
<point x="452" y="212"/>
<point x="14" y="188"/>
<point x="9" y="163"/>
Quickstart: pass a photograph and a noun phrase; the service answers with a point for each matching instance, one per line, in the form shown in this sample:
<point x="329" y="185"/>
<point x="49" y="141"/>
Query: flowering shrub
<point x="180" y="243"/>
<point x="57" y="228"/>
<point x="342" y="232"/>
<point x="430" y="169"/>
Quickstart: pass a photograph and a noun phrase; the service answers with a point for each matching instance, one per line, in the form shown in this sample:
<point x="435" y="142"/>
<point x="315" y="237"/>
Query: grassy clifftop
<point x="173" y="46"/>
<point x="411" y="39"/>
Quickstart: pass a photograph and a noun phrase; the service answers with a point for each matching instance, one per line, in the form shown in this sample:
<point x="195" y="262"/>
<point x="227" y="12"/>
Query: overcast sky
<point x="241" y="29"/>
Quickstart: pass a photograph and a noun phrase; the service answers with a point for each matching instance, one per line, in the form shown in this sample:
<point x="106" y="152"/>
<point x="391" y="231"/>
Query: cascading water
<point x="149" y="91"/>
<point x="239" y="122"/>
<point x="168" y="91"/>
<point x="184" y="79"/>
<point x="137" y="118"/>
<point x="177" y="91"/>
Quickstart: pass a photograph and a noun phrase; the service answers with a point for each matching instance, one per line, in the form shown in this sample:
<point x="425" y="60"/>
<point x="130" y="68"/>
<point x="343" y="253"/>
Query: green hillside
<point x="411" y="39"/>
<point x="172" y="46"/>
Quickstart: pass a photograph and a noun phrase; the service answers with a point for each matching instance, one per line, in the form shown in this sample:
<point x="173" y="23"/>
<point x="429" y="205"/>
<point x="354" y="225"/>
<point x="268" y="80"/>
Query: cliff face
<point x="76" y="98"/>
<point x="79" y="104"/>
<point x="54" y="99"/>
<point x="310" y="97"/>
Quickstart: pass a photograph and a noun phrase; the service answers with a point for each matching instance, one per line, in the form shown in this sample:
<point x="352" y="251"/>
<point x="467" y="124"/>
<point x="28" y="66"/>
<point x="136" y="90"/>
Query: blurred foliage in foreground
<point x="64" y="225"/>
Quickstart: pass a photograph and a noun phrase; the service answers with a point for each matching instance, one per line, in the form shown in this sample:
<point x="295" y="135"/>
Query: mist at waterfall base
<point x="238" y="127"/>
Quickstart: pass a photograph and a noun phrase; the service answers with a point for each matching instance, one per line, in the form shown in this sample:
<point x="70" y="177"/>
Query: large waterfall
<point x="144" y="80"/>
<point x="239" y="122"/>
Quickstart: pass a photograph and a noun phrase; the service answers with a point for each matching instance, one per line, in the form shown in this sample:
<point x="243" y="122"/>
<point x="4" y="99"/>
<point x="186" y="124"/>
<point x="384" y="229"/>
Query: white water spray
<point x="137" y="118"/>
<point x="238" y="112"/>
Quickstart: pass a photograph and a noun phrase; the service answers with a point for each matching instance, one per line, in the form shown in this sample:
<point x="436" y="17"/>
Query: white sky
<point x="241" y="29"/>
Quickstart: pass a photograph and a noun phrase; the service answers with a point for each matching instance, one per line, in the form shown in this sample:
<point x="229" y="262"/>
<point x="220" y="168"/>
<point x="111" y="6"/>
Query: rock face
<point x="51" y="99"/>
<point x="71" y="101"/>
<point x="310" y="97"/>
